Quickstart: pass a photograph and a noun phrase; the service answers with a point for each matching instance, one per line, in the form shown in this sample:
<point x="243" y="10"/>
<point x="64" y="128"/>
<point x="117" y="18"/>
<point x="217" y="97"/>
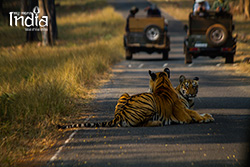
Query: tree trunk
<point x="1" y="7"/>
<point x="47" y="8"/>
<point x="47" y="4"/>
<point x="45" y="41"/>
<point x="52" y="13"/>
<point x="54" y="21"/>
<point x="24" y="5"/>
<point x="31" y="36"/>
<point x="241" y="6"/>
<point x="247" y="9"/>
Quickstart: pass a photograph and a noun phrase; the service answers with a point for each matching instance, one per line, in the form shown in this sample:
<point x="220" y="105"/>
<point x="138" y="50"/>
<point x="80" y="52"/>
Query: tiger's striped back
<point x="165" y="97"/>
<point x="133" y="110"/>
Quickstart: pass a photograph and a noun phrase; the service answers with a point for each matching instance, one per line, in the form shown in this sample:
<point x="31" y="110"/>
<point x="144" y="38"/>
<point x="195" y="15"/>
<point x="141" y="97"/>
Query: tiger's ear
<point x="196" y="78"/>
<point x="153" y="75"/>
<point x="182" y="78"/>
<point x="167" y="71"/>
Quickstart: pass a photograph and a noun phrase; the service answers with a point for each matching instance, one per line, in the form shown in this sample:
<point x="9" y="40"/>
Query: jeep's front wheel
<point x="188" y="58"/>
<point x="165" y="55"/>
<point x="129" y="54"/>
<point x="229" y="59"/>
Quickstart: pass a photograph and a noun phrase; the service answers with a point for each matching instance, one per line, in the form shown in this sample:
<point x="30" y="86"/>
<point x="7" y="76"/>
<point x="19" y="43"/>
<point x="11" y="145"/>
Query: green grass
<point x="39" y="86"/>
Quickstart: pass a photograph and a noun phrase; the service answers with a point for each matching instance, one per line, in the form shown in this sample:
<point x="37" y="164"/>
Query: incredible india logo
<point x="30" y="20"/>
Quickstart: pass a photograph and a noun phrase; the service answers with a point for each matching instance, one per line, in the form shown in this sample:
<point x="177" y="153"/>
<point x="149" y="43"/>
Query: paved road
<point x="222" y="93"/>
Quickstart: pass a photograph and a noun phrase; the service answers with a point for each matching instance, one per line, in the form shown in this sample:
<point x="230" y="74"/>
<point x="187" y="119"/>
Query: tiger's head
<point x="159" y="79"/>
<point x="188" y="88"/>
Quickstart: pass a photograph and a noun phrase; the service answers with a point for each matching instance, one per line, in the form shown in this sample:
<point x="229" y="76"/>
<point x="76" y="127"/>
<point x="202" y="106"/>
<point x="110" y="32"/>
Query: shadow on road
<point x="123" y="146"/>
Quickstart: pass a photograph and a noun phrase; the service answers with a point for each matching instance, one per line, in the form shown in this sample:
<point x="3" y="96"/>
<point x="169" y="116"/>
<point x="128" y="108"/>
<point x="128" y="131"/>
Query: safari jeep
<point x="210" y="35"/>
<point x="146" y="34"/>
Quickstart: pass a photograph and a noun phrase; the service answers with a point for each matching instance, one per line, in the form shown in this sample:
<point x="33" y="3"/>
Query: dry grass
<point x="180" y="10"/>
<point x="38" y="85"/>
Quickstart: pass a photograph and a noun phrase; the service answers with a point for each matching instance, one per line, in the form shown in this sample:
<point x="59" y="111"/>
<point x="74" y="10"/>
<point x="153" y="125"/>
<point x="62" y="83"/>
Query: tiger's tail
<point x="111" y="123"/>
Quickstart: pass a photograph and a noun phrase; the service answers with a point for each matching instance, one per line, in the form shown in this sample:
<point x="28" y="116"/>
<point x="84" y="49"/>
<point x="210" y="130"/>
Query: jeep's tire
<point x="188" y="58"/>
<point x="165" y="55"/>
<point x="216" y="35"/>
<point x="152" y="33"/>
<point x="129" y="55"/>
<point x="229" y="59"/>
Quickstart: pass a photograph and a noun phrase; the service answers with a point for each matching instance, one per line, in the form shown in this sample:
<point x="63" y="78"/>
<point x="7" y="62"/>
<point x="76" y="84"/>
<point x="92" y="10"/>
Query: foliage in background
<point x="38" y="85"/>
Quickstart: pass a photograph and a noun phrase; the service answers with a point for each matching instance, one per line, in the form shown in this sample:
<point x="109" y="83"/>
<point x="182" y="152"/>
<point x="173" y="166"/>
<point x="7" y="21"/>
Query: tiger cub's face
<point x="188" y="87"/>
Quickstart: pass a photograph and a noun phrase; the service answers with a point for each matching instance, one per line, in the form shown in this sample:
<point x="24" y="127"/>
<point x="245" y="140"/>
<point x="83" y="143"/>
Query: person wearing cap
<point x="221" y="5"/>
<point x="201" y="6"/>
<point x="132" y="13"/>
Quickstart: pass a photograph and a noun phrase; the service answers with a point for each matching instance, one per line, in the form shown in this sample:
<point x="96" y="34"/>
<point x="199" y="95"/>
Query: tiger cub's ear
<point x="182" y="78"/>
<point x="153" y="75"/>
<point x="167" y="71"/>
<point x="196" y="78"/>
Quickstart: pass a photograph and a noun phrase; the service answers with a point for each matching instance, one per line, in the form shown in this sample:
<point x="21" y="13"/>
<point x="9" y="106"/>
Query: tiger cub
<point x="138" y="110"/>
<point x="187" y="90"/>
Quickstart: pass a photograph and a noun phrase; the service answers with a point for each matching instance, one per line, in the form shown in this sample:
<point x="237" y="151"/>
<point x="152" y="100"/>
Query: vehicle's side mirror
<point x="185" y="28"/>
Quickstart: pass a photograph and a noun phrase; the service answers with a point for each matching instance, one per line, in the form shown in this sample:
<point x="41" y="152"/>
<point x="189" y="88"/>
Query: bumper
<point x="211" y="51"/>
<point x="148" y="49"/>
<point x="205" y="50"/>
<point x="152" y="46"/>
<point x="140" y="44"/>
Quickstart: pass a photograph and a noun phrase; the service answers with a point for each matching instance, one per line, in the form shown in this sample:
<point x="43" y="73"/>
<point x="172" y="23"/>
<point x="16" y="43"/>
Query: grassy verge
<point x="180" y="10"/>
<point x="38" y="85"/>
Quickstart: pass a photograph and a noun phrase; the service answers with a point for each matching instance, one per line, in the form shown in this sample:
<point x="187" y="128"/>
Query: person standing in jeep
<point x="221" y="5"/>
<point x="201" y="6"/>
<point x="132" y="13"/>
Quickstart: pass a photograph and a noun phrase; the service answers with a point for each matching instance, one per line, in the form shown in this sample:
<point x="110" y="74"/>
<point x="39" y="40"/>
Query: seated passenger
<point x="221" y="6"/>
<point x="201" y="6"/>
<point x="132" y="13"/>
<point x="153" y="11"/>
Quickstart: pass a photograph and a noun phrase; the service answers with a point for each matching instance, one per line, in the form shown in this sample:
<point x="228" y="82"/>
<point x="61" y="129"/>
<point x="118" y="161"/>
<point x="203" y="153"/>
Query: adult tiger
<point x="163" y="105"/>
<point x="136" y="110"/>
<point x="187" y="89"/>
<point x="170" y="107"/>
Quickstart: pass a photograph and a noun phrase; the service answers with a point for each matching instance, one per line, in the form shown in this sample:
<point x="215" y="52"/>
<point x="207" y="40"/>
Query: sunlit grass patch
<point x="94" y="27"/>
<point x="39" y="85"/>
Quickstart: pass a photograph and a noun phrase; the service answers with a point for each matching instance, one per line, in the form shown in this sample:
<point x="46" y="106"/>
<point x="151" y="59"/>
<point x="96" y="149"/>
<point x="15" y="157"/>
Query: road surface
<point x="222" y="93"/>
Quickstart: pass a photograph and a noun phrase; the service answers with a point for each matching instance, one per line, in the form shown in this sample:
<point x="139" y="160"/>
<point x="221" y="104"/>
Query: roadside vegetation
<point x="40" y="86"/>
<point x="180" y="10"/>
